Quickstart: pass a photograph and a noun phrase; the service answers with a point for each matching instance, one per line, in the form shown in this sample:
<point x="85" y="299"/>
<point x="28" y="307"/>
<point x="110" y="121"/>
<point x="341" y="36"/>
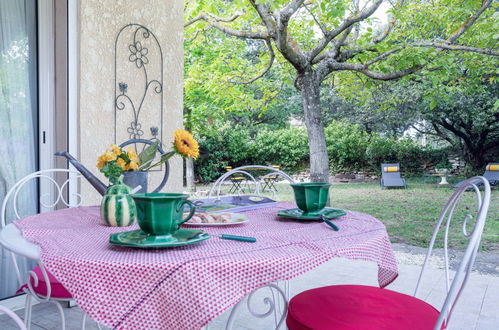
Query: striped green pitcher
<point x="117" y="207"/>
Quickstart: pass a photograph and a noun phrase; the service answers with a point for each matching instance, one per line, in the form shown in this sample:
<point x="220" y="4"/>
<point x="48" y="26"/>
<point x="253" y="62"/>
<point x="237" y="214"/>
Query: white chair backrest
<point x="13" y="316"/>
<point x="455" y="286"/>
<point x="244" y="171"/>
<point x="47" y="200"/>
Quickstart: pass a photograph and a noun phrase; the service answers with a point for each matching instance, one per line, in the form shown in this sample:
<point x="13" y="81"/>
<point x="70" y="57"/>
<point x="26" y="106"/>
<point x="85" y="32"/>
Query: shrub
<point x="346" y="147"/>
<point x="349" y="148"/>
<point x="220" y="148"/>
<point x="286" y="147"/>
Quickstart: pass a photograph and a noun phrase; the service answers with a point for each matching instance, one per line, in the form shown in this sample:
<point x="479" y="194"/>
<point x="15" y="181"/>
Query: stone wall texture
<point x="100" y="22"/>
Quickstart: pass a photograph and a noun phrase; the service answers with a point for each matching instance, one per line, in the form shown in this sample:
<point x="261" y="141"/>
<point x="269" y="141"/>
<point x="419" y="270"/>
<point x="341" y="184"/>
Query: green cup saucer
<point x="296" y="213"/>
<point x="138" y="238"/>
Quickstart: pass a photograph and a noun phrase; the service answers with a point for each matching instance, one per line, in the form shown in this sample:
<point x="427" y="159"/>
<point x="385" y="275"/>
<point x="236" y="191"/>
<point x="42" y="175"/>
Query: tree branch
<point x="469" y="22"/>
<point x="315" y="20"/>
<point x="288" y="11"/>
<point x="267" y="18"/>
<point x="330" y="65"/>
<point x="389" y="27"/>
<point x="288" y="46"/>
<point x="383" y="56"/>
<point x="214" y="21"/>
<point x="362" y="15"/>
<point x="267" y="69"/>
<point x="456" y="48"/>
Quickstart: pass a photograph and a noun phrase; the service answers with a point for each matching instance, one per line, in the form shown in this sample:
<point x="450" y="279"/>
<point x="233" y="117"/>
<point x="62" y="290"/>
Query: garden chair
<point x="40" y="284"/>
<point x="243" y="171"/>
<point x="13" y="316"/>
<point x="269" y="180"/>
<point x="491" y="173"/>
<point x="236" y="179"/>
<point x="390" y="176"/>
<point x="364" y="307"/>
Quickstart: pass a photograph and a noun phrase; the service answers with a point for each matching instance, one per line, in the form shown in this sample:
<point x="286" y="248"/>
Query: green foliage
<point x="350" y="149"/>
<point x="220" y="148"/>
<point x="346" y="147"/>
<point x="112" y="172"/>
<point x="413" y="158"/>
<point x="147" y="155"/>
<point x="285" y="147"/>
<point x="233" y="146"/>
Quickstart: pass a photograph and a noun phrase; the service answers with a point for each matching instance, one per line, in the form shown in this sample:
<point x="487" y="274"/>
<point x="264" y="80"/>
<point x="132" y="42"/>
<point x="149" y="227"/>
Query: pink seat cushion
<point x="358" y="307"/>
<point x="58" y="291"/>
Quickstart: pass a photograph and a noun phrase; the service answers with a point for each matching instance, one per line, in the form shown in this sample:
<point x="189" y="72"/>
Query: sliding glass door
<point x="18" y="115"/>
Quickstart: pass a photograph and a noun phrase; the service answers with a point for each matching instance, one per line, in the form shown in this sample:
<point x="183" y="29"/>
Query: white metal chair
<point x="40" y="285"/>
<point x="14" y="317"/>
<point x="276" y="297"/>
<point x="243" y="170"/>
<point x="338" y="306"/>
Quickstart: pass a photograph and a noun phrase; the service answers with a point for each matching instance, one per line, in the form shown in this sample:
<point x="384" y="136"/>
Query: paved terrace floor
<point x="478" y="307"/>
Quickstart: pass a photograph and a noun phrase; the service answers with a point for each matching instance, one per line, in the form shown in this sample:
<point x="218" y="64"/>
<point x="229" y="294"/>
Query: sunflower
<point x="185" y="144"/>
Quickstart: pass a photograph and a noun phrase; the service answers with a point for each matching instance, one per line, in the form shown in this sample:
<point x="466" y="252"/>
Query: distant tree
<point x="463" y="112"/>
<point x="319" y="38"/>
<point x="371" y="113"/>
<point x="467" y="118"/>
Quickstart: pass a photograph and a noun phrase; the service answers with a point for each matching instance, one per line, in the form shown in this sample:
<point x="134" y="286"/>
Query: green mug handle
<point x="191" y="212"/>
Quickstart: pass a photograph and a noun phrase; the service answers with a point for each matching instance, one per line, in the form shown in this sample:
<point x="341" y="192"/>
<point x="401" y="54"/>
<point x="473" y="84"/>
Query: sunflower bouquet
<point x="115" y="160"/>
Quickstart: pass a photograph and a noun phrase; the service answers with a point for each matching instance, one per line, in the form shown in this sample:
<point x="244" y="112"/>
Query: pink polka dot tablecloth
<point x="186" y="287"/>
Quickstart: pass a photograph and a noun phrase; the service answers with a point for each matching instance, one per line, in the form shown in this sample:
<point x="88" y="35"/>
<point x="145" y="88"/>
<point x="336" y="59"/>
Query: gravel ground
<point x="487" y="262"/>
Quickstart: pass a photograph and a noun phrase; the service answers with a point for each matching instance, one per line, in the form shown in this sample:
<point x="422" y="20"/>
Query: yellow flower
<point x="109" y="156"/>
<point x="121" y="163"/>
<point x="103" y="159"/>
<point x="100" y="164"/>
<point x="116" y="150"/>
<point x="132" y="155"/>
<point x="185" y="144"/>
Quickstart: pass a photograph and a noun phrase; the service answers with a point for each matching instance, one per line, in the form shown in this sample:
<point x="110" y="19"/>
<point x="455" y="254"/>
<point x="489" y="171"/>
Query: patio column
<point x="100" y="23"/>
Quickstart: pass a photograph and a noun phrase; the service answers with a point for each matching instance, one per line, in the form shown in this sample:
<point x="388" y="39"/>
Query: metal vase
<point x="136" y="178"/>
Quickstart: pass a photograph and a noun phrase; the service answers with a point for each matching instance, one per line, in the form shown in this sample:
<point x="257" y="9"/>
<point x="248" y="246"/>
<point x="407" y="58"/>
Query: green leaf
<point x="112" y="172"/>
<point x="164" y="158"/>
<point x="148" y="153"/>
<point x="433" y="104"/>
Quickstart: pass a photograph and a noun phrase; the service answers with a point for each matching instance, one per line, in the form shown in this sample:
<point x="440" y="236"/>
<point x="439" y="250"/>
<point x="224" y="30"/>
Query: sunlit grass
<point x="409" y="214"/>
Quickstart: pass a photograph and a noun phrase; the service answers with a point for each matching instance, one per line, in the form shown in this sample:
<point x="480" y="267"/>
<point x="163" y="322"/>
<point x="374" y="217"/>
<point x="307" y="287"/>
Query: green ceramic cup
<point x="311" y="198"/>
<point x="161" y="214"/>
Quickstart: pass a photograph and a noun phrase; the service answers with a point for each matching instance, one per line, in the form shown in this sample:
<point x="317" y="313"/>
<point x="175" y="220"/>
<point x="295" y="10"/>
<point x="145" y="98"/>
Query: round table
<point x="186" y="287"/>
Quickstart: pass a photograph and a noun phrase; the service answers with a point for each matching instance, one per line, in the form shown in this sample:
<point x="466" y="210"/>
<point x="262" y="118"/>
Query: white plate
<point x="236" y="219"/>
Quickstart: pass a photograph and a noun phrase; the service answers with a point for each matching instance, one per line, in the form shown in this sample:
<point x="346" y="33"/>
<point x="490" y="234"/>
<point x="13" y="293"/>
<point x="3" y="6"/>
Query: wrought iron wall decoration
<point x="138" y="83"/>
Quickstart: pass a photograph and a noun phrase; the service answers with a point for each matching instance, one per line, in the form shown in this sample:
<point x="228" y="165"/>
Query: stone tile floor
<point x="478" y="307"/>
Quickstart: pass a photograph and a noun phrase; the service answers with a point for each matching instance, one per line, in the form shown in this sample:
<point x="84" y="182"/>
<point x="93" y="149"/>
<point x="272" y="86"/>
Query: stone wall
<point x="100" y="22"/>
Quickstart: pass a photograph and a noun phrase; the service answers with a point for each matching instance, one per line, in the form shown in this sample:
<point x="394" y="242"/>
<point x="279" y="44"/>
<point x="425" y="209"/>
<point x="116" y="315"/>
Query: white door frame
<point x="46" y="83"/>
<point x="73" y="92"/>
<point x="46" y="91"/>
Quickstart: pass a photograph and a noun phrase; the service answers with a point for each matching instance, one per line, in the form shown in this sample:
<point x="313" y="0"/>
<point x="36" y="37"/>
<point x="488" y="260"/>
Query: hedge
<point x="349" y="148"/>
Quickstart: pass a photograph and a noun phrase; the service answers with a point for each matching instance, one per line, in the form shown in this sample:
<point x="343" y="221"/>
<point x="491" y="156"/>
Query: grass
<point x="410" y="214"/>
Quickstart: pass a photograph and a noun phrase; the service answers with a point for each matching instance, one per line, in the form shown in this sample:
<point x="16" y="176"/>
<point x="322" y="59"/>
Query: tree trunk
<point x="310" y="92"/>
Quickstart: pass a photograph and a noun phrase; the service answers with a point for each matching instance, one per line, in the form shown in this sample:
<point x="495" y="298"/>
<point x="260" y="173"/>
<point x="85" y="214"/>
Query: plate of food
<point x="216" y="219"/>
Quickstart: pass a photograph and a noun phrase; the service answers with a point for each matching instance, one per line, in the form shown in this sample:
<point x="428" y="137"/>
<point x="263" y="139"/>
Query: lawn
<point x="409" y="214"/>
